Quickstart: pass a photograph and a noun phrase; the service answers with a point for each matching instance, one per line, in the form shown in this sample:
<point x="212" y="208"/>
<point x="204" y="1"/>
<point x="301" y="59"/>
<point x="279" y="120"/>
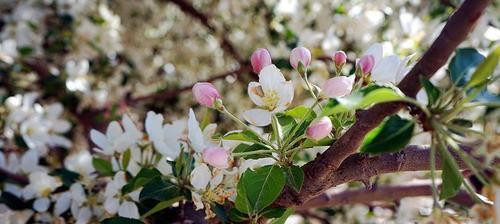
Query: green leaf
<point x="236" y="216"/>
<point x="243" y="147"/>
<point x="451" y="176"/>
<point x="246" y="136"/>
<point x="283" y="218"/>
<point x="159" y="189"/>
<point x="126" y="158"/>
<point x="462" y="65"/>
<point x="162" y="205"/>
<point x="390" y="136"/>
<point x="143" y="177"/>
<point x="121" y="220"/>
<point x="300" y="111"/>
<point x="295" y="177"/>
<point x="308" y="143"/>
<point x="362" y="99"/>
<point x="485" y="69"/>
<point x="433" y="92"/>
<point x="103" y="167"/>
<point x="462" y="122"/>
<point x="277" y="129"/>
<point x="287" y="123"/>
<point x="258" y="189"/>
<point x="68" y="177"/>
<point x="275" y="212"/>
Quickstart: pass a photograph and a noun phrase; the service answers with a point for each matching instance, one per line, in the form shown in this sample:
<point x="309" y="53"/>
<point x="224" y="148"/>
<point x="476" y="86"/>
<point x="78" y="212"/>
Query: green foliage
<point x="364" y="98"/>
<point x="159" y="189"/>
<point x="258" y="189"/>
<point x="103" y="167"/>
<point x="283" y="218"/>
<point x="242" y="148"/>
<point x="452" y="178"/>
<point x="144" y="176"/>
<point x="68" y="177"/>
<point x="462" y="65"/>
<point x="391" y="136"/>
<point x="162" y="205"/>
<point x="485" y="69"/>
<point x="246" y="136"/>
<point x="294" y="177"/>
<point x="433" y="92"/>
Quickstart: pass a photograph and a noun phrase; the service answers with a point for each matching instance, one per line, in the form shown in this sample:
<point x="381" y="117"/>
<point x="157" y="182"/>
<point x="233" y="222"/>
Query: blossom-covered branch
<point x="318" y="171"/>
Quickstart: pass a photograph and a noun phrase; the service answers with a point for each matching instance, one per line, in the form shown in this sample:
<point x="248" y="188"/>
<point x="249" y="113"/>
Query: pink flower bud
<point x="260" y="59"/>
<point x="216" y="157"/>
<point x="300" y="54"/>
<point x="338" y="86"/>
<point x="319" y="129"/>
<point x="366" y="63"/>
<point x="340" y="58"/>
<point x="205" y="93"/>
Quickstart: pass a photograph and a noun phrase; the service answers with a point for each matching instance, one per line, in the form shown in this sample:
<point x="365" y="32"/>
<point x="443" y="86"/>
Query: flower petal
<point x="386" y="70"/>
<point x="271" y="78"/>
<point x="253" y="89"/>
<point x="195" y="135"/>
<point x="200" y="177"/>
<point x="258" y="117"/>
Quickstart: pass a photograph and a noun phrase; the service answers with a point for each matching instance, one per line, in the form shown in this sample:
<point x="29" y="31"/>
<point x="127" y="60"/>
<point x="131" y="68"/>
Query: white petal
<point x="58" y="140"/>
<point x="271" y="78"/>
<point x="99" y="139"/>
<point x="164" y="167"/>
<point x="129" y="210"/>
<point x="252" y="88"/>
<point x="376" y="50"/>
<point x="111" y="205"/>
<point x="62" y="203"/>
<point x="114" y="131"/>
<point x="61" y="126"/>
<point x="258" y="117"/>
<point x="41" y="204"/>
<point x="195" y="135"/>
<point x="29" y="161"/>
<point x="386" y="70"/>
<point x="285" y="94"/>
<point x="130" y="127"/>
<point x="200" y="177"/>
<point x="197" y="200"/>
<point x="84" y="216"/>
<point x="54" y="110"/>
<point x="153" y="125"/>
<point x="422" y="97"/>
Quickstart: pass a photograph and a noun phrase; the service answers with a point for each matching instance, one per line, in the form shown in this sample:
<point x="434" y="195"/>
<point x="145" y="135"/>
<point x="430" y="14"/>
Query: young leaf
<point x="236" y="216"/>
<point x="485" y="69"/>
<point x="159" y="189"/>
<point x="126" y="158"/>
<point x="103" y="167"/>
<point x="246" y="136"/>
<point x="433" y="93"/>
<point x="300" y="111"/>
<point x="390" y="136"/>
<point x="462" y="65"/>
<point x="364" y="98"/>
<point x="275" y="212"/>
<point x="452" y="178"/>
<point x="258" y="189"/>
<point x="295" y="177"/>
<point x="287" y="123"/>
<point x="283" y="218"/>
<point x="143" y="177"/>
<point x="250" y="148"/>
<point x="162" y="205"/>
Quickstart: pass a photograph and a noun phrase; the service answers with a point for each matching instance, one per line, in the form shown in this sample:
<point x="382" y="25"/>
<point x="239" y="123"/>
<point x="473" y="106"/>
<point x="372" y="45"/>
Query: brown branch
<point x="204" y="19"/>
<point x="173" y="93"/>
<point x="318" y="171"/>
<point x="20" y="179"/>
<point x="382" y="193"/>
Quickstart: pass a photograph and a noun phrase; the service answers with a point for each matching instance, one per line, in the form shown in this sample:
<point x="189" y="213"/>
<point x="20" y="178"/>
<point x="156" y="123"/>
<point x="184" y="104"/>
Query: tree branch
<point x="382" y="193"/>
<point x="204" y="19"/>
<point x="318" y="171"/>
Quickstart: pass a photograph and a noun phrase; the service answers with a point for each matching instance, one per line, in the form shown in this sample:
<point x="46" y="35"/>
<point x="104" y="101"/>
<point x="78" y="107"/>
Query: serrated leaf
<point x="462" y="65"/>
<point x="485" y="69"/>
<point x="258" y="189"/>
<point x="295" y="177"/>
<point x="159" y="189"/>
<point x="162" y="205"/>
<point x="432" y="92"/>
<point x="390" y="136"/>
<point x="451" y="176"/>
<point x="103" y="167"/>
